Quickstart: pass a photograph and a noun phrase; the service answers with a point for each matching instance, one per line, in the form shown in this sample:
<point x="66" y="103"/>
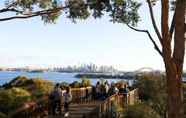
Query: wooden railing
<point x="40" y="107"/>
<point x="81" y="95"/>
<point x="132" y="97"/>
<point x="107" y="108"/>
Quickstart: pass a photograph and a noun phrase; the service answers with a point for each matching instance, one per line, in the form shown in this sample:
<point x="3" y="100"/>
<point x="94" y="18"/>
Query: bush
<point x="10" y="99"/>
<point x="2" y="115"/>
<point x="36" y="86"/>
<point x="152" y="91"/>
<point x="140" y="111"/>
<point x="75" y="84"/>
<point x="16" y="82"/>
<point x="39" y="87"/>
<point x="21" y="90"/>
<point x="85" y="82"/>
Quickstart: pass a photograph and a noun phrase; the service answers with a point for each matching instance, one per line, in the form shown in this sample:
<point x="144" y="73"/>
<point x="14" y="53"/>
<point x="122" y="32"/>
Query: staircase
<point x="78" y="110"/>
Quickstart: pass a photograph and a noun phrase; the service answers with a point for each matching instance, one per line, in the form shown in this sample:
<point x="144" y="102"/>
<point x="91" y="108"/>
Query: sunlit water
<point x="7" y="76"/>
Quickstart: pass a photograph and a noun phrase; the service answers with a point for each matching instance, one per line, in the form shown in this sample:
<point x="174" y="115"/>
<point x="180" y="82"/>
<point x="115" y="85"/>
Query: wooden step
<point x="78" y="110"/>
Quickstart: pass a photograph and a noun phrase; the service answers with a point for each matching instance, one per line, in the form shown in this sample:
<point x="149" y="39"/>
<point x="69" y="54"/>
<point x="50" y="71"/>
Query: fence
<point x="40" y="107"/>
<point x="105" y="109"/>
<point x="114" y="105"/>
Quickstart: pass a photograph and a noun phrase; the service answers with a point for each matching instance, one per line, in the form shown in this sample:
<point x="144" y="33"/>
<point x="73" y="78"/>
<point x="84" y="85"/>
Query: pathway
<point x="79" y="110"/>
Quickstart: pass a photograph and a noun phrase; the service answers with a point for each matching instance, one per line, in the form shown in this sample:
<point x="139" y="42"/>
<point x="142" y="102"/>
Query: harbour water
<point x="7" y="76"/>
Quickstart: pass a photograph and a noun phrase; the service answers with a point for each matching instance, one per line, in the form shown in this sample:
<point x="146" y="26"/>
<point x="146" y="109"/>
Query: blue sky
<point x="31" y="43"/>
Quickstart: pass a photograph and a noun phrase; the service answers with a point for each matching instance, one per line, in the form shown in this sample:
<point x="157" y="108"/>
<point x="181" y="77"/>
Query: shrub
<point x="16" y="82"/>
<point x="85" y="82"/>
<point x="75" y="84"/>
<point x="10" y="99"/>
<point x="152" y="91"/>
<point x="140" y="111"/>
<point x="39" y="87"/>
<point x="2" y="115"/>
<point x="21" y="90"/>
<point x="36" y="86"/>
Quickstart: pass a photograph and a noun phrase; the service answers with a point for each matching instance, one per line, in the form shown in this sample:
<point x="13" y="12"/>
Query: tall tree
<point x="121" y="11"/>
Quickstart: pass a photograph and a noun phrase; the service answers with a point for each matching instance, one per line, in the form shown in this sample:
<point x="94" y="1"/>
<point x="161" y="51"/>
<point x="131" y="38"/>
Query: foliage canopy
<point x="122" y="11"/>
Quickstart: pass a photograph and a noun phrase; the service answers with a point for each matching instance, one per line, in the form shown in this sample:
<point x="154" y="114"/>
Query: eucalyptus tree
<point x="171" y="37"/>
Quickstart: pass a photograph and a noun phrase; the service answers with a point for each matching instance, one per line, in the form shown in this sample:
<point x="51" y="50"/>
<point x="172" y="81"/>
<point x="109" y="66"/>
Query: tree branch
<point x="18" y="17"/>
<point x="10" y="10"/>
<point x="12" y="4"/>
<point x="150" y="37"/>
<point x="172" y="26"/>
<point x="154" y="22"/>
<point x="32" y="14"/>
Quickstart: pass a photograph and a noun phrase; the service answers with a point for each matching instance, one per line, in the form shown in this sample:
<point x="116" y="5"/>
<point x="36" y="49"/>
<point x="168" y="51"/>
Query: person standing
<point x="124" y="89"/>
<point x="67" y="100"/>
<point x="113" y="89"/>
<point x="98" y="90"/>
<point x="106" y="89"/>
<point x="55" y="98"/>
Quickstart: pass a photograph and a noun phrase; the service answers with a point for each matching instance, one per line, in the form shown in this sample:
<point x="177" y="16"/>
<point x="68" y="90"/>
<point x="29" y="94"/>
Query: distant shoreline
<point x="91" y="75"/>
<point x="104" y="76"/>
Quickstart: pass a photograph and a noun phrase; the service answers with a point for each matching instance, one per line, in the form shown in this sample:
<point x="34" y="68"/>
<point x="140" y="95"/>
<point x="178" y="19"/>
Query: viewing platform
<point x="81" y="106"/>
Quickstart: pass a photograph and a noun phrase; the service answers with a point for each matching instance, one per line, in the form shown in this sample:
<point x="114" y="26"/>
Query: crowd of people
<point x="60" y="98"/>
<point x="100" y="91"/>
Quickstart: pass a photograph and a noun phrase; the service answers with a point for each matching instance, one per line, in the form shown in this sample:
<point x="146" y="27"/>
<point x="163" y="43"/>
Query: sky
<point x="32" y="43"/>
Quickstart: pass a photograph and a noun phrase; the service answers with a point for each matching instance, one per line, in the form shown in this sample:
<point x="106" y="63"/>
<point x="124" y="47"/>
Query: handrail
<point x="79" y="96"/>
<point x="105" y="109"/>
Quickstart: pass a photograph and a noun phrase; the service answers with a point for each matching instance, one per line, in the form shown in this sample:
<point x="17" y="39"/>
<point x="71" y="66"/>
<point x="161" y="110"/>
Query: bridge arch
<point x="144" y="69"/>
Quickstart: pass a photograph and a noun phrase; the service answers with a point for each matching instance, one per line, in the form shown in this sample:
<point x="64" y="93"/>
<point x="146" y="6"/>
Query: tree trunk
<point x="175" y="99"/>
<point x="174" y="64"/>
